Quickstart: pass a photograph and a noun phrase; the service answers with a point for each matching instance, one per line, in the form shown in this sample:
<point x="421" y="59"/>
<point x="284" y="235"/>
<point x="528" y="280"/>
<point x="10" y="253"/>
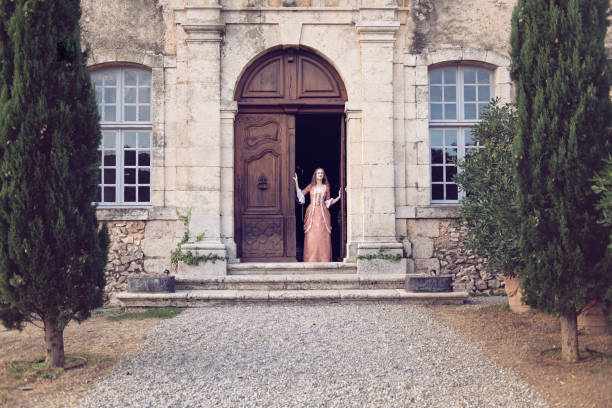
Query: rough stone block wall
<point x="125" y="255"/>
<point x="466" y="267"/>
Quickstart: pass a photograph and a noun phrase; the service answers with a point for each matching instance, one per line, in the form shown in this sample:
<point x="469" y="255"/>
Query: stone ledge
<point x="206" y="297"/>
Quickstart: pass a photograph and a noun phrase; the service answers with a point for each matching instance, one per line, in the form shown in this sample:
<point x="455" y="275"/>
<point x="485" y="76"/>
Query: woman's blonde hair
<point x="313" y="182"/>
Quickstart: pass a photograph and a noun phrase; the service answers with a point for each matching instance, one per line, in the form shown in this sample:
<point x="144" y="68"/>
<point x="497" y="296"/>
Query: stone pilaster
<point x="377" y="43"/>
<point x="199" y="178"/>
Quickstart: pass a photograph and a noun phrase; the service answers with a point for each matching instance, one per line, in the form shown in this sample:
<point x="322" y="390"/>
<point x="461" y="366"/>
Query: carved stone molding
<point x="203" y="33"/>
<point x="374" y="32"/>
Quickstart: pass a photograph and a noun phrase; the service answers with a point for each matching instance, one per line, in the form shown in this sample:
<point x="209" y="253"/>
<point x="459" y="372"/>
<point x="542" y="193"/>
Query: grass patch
<point x="155" y="313"/>
<point x="38" y="369"/>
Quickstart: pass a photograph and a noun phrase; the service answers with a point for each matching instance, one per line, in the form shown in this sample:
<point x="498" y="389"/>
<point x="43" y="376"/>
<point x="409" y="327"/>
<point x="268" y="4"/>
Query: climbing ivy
<point x="189" y="257"/>
<point x="380" y="255"/>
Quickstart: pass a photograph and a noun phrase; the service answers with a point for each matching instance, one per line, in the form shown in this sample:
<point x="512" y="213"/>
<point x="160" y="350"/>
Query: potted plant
<point x="489" y="207"/>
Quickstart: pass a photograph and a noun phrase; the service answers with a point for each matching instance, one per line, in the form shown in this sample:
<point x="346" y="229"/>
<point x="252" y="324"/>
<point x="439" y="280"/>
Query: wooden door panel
<point x="263" y="206"/>
<point x="263" y="183"/>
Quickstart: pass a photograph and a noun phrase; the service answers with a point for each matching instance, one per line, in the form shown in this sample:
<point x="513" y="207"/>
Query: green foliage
<point x="157" y="313"/>
<point x="603" y="187"/>
<point x="381" y="254"/>
<point x="490" y="207"/>
<point x="189" y="257"/>
<point x="52" y="252"/>
<point x="562" y="87"/>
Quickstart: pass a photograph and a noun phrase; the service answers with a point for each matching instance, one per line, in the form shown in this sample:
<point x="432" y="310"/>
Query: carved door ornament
<point x="262" y="182"/>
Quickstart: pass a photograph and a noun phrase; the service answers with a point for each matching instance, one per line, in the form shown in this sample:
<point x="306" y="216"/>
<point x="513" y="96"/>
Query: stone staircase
<point x="287" y="282"/>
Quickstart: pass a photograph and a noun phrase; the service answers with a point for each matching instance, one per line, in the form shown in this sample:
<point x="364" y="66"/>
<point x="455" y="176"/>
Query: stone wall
<point x="466" y="267"/>
<point x="125" y="255"/>
<point x="437" y="245"/>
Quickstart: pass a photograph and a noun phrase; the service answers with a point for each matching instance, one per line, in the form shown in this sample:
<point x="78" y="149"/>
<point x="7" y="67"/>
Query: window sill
<point x="118" y="213"/>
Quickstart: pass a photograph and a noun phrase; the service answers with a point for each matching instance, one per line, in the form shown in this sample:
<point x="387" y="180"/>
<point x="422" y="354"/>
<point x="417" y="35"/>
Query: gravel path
<point x="326" y="355"/>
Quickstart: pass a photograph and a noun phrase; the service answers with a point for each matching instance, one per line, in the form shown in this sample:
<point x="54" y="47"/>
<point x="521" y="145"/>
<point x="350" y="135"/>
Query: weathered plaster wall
<point x="121" y="24"/>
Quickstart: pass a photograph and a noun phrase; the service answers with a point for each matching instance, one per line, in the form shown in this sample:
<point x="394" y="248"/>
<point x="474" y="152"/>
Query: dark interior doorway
<point x="318" y="144"/>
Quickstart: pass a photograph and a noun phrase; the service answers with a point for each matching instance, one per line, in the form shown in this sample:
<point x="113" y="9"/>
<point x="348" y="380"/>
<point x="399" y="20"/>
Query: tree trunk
<point x="569" y="336"/>
<point x="54" y="341"/>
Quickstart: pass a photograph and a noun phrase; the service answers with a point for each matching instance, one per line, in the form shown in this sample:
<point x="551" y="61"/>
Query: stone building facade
<point x="412" y="76"/>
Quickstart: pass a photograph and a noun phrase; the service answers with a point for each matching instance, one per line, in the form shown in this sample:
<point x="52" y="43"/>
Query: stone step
<point x="290" y="268"/>
<point x="195" y="298"/>
<point x="292" y="282"/>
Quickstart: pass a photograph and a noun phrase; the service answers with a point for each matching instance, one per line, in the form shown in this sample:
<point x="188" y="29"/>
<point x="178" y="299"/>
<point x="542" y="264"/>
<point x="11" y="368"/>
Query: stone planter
<point x="151" y="284"/>
<point x="512" y="285"/>
<point x="429" y="283"/>
<point x="592" y="319"/>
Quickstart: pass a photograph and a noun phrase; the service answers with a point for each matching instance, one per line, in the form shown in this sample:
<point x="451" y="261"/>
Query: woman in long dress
<point x="317" y="223"/>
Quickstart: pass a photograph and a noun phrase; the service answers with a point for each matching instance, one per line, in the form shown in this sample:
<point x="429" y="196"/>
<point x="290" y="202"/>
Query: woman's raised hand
<point x="295" y="178"/>
<point x="340" y="193"/>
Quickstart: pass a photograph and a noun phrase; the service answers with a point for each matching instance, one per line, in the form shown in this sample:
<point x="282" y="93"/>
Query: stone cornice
<point x="377" y="32"/>
<point x="201" y="33"/>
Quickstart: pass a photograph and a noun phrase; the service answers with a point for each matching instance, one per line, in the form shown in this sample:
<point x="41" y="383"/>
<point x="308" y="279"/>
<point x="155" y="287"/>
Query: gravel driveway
<point x="324" y="355"/>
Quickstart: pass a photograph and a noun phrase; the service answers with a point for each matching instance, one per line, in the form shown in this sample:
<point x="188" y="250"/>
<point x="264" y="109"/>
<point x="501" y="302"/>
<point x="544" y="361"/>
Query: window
<point x="458" y="95"/>
<point x="124" y="105"/>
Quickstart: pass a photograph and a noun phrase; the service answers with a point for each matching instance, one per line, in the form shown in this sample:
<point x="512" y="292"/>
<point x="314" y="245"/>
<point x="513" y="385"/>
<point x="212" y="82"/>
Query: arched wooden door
<point x="272" y="90"/>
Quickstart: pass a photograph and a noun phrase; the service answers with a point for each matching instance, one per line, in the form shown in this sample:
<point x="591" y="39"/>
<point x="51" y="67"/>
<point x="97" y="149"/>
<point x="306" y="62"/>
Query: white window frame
<point x="121" y="126"/>
<point x="460" y="125"/>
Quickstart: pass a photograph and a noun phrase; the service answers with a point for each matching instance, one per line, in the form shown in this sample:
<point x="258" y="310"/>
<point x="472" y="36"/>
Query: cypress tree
<point x="52" y="252"/>
<point x="562" y="78"/>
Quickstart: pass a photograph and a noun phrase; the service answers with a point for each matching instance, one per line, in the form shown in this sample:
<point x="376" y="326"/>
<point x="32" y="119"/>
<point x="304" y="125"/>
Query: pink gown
<point x="317" y="225"/>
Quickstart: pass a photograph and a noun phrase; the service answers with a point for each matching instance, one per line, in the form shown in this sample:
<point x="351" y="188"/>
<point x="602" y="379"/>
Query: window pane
<point x="143" y="194"/>
<point x="100" y="113"/>
<point x="450" y="155"/>
<point x="436" y="173"/>
<point x="109" y="195"/>
<point x="470" y="111"/>
<point x="99" y="195"/>
<point x="483" y="93"/>
<point x="129" y="194"/>
<point x="436" y="156"/>
<point x="99" y="94"/>
<point x="469" y="76"/>
<point x="110" y="79"/>
<point x="144" y="158"/>
<point x="144" y="95"/>
<point x="436" y="137"/>
<point x="99" y="177"/>
<point x="144" y="176"/>
<point x="469" y="93"/>
<point x="129" y="77"/>
<point x="451" y="137"/>
<point x="450" y="75"/>
<point x="109" y="176"/>
<point x="436" y="111"/>
<point x="109" y="140"/>
<point x="129" y="95"/>
<point x="96" y="79"/>
<point x="144" y="78"/>
<point x="435" y="77"/>
<point x="144" y="140"/>
<point x="129" y="140"/>
<point x="450" y="93"/>
<point x="110" y="159"/>
<point x="109" y="113"/>
<point x="483" y="77"/>
<point x="469" y="137"/>
<point x="482" y="108"/>
<point x="451" y="192"/>
<point x="450" y="172"/>
<point x="144" y="113"/>
<point x="437" y="191"/>
<point x="129" y="157"/>
<point x="110" y="95"/>
<point x="129" y="176"/>
<point x="130" y="113"/>
<point x="435" y="93"/>
<point x="450" y="111"/>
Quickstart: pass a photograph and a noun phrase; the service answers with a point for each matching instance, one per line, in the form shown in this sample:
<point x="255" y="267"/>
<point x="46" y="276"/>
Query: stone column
<point x="198" y="154"/>
<point x="377" y="43"/>
<point x="227" y="180"/>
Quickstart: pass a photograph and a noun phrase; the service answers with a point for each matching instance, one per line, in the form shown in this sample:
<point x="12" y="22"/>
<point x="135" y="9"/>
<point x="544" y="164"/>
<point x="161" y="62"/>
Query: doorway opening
<point x="318" y="139"/>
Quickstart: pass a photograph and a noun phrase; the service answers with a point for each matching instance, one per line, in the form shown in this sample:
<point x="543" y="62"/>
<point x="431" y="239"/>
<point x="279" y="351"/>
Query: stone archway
<point x="272" y="90"/>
